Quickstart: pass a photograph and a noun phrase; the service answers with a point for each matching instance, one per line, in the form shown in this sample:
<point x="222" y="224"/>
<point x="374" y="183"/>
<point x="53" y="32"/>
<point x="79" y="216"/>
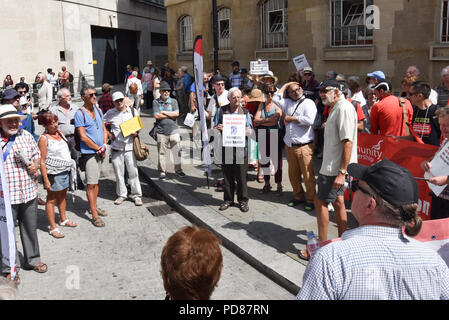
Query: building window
<point x="348" y="23"/>
<point x="185" y="34"/>
<point x="224" y="29"/>
<point x="444" y="28"/>
<point x="273" y="18"/>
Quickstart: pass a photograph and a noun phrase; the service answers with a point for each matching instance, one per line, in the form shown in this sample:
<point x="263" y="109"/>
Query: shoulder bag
<point x="141" y="150"/>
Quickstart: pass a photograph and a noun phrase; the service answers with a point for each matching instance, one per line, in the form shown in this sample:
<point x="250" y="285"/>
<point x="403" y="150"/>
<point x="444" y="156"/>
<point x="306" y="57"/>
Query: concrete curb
<point x="281" y="278"/>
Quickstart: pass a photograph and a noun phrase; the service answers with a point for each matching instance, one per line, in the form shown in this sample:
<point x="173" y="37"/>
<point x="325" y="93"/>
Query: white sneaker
<point x="138" y="202"/>
<point x="119" y="200"/>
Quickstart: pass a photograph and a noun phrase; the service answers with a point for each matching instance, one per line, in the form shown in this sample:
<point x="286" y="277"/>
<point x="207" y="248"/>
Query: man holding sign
<point x="234" y="123"/>
<point x="122" y="149"/>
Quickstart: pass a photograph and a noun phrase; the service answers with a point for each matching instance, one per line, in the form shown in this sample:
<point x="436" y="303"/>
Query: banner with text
<point x="409" y="154"/>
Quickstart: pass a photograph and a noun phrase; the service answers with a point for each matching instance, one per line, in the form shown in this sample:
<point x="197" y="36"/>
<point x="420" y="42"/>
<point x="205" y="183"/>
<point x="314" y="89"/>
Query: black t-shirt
<point x="426" y="125"/>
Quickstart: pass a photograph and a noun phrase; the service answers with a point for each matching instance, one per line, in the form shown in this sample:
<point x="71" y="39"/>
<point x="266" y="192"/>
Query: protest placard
<point x="131" y="126"/>
<point x="300" y="62"/>
<point x="259" y="67"/>
<point x="234" y="130"/>
<point x="439" y="167"/>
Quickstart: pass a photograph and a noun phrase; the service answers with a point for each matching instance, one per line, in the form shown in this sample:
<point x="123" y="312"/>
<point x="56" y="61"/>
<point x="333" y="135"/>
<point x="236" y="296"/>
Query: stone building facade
<point x="352" y="37"/>
<point x="37" y="35"/>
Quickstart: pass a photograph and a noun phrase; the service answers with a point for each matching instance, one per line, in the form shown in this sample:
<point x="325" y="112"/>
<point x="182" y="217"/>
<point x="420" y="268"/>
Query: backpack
<point x="133" y="88"/>
<point x="70" y="77"/>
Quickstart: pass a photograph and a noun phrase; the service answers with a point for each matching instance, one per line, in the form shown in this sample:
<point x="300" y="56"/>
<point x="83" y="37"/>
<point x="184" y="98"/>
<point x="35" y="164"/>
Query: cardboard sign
<point x="234" y="130"/>
<point x="131" y="126"/>
<point x="259" y="67"/>
<point x="300" y="62"/>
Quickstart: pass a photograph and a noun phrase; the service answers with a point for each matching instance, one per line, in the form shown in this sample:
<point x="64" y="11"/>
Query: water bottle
<point x="312" y="243"/>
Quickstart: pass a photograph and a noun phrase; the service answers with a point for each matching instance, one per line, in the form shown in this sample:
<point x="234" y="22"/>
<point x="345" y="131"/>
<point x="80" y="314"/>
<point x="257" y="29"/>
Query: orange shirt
<point x="386" y="117"/>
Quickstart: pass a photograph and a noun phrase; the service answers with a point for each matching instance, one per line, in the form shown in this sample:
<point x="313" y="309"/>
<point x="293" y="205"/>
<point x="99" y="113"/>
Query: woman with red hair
<point x="55" y="166"/>
<point x="191" y="264"/>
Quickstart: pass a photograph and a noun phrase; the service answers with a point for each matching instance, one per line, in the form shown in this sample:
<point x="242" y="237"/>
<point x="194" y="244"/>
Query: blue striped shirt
<point x="375" y="263"/>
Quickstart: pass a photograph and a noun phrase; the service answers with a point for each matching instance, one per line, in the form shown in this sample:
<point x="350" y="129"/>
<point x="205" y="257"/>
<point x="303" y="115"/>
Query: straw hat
<point x="8" y="111"/>
<point x="256" y="96"/>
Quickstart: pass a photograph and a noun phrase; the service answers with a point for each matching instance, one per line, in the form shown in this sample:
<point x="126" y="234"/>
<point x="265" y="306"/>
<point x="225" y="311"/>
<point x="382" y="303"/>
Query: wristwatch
<point x="343" y="172"/>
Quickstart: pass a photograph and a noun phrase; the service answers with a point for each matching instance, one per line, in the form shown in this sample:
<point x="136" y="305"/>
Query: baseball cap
<point x="235" y="63"/>
<point x="390" y="181"/>
<point x="243" y="70"/>
<point x="385" y="85"/>
<point x="117" y="95"/>
<point x="10" y="94"/>
<point x="379" y="75"/>
<point x="332" y="83"/>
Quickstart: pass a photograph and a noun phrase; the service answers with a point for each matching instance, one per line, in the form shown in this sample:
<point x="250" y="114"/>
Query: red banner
<point x="409" y="154"/>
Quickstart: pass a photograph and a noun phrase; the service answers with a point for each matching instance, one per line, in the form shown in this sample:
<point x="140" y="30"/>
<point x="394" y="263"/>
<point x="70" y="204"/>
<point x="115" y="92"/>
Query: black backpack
<point x="70" y="77"/>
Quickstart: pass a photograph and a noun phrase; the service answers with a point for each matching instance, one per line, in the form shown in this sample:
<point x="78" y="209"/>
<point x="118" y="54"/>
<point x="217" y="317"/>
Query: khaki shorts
<point x="93" y="168"/>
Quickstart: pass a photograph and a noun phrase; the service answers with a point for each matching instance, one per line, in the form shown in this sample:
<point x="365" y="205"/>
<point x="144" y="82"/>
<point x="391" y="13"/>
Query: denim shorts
<point x="59" y="181"/>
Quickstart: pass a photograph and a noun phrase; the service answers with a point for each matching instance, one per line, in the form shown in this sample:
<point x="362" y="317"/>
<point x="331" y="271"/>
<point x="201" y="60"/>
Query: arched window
<point x="273" y="23"/>
<point x="224" y="28"/>
<point x="185" y="32"/>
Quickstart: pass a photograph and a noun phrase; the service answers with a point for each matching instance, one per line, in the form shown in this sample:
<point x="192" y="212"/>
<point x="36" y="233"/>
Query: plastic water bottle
<point x="312" y="243"/>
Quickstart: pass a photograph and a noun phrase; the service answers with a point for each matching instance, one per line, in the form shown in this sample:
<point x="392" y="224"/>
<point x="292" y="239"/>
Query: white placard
<point x="300" y="62"/>
<point x="234" y="130"/>
<point x="439" y="167"/>
<point x="259" y="67"/>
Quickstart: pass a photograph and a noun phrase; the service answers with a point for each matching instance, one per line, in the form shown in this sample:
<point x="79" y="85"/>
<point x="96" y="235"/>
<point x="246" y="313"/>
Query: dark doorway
<point x="113" y="49"/>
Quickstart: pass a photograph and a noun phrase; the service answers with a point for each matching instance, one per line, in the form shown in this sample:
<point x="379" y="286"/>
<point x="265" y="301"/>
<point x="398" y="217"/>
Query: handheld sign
<point x="259" y="67"/>
<point x="300" y="62"/>
<point x="234" y="130"/>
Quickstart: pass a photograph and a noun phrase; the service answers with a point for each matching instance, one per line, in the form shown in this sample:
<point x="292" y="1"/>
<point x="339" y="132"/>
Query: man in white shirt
<point x="45" y="93"/>
<point x="299" y="114"/>
<point x="122" y="149"/>
<point x="134" y="96"/>
<point x="356" y="91"/>
<point x="340" y="149"/>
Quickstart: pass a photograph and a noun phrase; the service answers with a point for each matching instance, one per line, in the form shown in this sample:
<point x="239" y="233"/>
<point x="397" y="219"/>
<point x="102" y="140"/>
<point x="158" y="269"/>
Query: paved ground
<point x="269" y="236"/>
<point x="122" y="260"/>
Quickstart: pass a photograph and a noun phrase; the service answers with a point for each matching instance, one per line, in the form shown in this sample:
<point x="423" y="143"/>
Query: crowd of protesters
<point x="308" y="119"/>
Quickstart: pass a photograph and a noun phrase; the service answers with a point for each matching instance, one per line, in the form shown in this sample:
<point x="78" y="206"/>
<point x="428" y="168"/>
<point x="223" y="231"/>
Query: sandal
<point x="266" y="188"/>
<point x="100" y="212"/>
<point x="40" y="267"/>
<point x="68" y="223"/>
<point x="16" y="278"/>
<point x="295" y="202"/>
<point x="97" y="222"/>
<point x="56" y="233"/>
<point x="309" y="206"/>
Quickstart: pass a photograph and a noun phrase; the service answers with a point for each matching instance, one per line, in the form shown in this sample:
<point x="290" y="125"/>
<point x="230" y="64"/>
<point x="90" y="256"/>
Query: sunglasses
<point x="270" y="92"/>
<point x="119" y="100"/>
<point x="164" y="90"/>
<point x="307" y="74"/>
<point x="355" y="186"/>
<point x="219" y="84"/>
<point x="325" y="90"/>
<point x="92" y="95"/>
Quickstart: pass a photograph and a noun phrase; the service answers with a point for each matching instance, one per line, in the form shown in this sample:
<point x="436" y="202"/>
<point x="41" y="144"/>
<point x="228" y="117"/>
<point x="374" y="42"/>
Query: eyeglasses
<point x="92" y="95"/>
<point x="355" y="186"/>
<point x="325" y="90"/>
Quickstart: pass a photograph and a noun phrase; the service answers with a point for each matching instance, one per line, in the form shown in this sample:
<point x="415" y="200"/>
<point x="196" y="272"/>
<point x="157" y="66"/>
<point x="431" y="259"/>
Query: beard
<point x="329" y="99"/>
<point x="9" y="131"/>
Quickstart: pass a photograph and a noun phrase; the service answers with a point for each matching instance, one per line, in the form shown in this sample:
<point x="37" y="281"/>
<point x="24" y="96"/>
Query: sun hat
<point x="23" y="101"/>
<point x="256" y="95"/>
<point x="164" y="86"/>
<point x="8" y="111"/>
